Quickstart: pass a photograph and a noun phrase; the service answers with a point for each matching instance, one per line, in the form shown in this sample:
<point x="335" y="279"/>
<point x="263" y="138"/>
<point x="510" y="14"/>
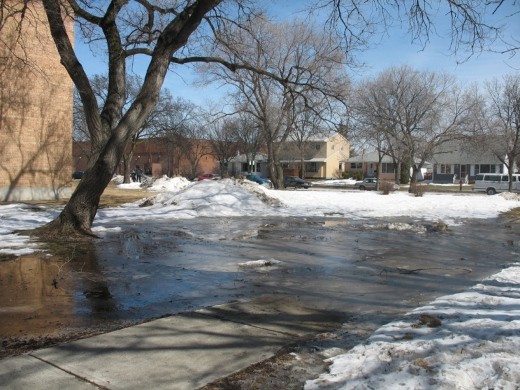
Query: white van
<point x="491" y="183"/>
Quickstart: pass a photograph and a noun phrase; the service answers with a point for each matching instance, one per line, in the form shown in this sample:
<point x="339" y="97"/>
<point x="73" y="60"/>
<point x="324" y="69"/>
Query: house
<point x="241" y="164"/>
<point x="367" y="163"/>
<point x="450" y="162"/>
<point x="36" y="116"/>
<point x="323" y="156"/>
<point x="458" y="159"/>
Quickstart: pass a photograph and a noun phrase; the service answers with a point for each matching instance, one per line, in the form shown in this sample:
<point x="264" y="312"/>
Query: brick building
<point x="157" y="157"/>
<point x="35" y="110"/>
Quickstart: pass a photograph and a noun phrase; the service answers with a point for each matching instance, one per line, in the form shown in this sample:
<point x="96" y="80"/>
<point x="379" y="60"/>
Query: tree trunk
<point x="79" y="212"/>
<point x="413" y="179"/>
<point x="127" y="159"/>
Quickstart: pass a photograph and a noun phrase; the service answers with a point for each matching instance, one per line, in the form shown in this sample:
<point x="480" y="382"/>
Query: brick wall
<point x="35" y="111"/>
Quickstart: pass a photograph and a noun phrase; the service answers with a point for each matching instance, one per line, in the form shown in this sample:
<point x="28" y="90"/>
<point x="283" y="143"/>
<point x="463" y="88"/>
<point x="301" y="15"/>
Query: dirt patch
<point x="112" y="196"/>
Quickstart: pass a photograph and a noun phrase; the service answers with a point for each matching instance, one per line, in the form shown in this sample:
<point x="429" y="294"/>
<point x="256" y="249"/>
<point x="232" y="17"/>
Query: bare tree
<point x="305" y="68"/>
<point x="162" y="111"/>
<point x="501" y="129"/>
<point x="224" y="142"/>
<point x="249" y="136"/>
<point x="164" y="32"/>
<point x="415" y="113"/>
<point x="171" y="127"/>
<point x="473" y="25"/>
<point x="196" y="146"/>
<point x="308" y="124"/>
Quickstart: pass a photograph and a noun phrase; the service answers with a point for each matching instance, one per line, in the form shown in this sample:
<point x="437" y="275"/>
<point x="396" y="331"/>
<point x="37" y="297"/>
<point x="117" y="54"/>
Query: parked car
<point x="491" y="183"/>
<point x="208" y="176"/>
<point x="259" y="180"/>
<point x="77" y="175"/>
<point x="296" y="182"/>
<point x="370" y="183"/>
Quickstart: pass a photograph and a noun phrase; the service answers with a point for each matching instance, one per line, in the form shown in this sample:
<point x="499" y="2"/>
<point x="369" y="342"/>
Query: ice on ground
<point x="259" y="263"/>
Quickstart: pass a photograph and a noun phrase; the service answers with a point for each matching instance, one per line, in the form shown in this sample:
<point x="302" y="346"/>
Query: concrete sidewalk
<point x="185" y="351"/>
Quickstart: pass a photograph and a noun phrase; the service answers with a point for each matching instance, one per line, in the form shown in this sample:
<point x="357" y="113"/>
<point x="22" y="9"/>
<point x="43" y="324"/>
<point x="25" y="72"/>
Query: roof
<point x="243" y="157"/>
<point x="324" y="137"/>
<point x="370" y="157"/>
<point x="315" y="159"/>
<point x="460" y="152"/>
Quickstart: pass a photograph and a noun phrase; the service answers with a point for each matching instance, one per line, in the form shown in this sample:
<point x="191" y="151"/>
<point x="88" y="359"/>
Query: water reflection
<point x="157" y="269"/>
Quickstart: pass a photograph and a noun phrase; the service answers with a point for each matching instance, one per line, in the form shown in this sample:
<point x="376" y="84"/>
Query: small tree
<point x="224" y="143"/>
<point x="503" y="121"/>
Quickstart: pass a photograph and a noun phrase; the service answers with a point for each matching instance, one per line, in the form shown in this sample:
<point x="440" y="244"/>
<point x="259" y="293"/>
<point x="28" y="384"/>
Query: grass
<point x="112" y="197"/>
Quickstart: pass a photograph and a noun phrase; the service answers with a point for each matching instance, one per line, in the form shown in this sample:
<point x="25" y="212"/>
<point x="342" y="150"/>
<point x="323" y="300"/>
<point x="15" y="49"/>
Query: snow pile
<point x="208" y="198"/>
<point x="177" y="198"/>
<point x="336" y="182"/>
<point x="173" y="184"/>
<point x="462" y="341"/>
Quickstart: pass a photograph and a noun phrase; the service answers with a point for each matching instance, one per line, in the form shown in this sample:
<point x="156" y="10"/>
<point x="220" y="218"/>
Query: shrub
<point x="386" y="187"/>
<point x="418" y="189"/>
<point x="354" y="175"/>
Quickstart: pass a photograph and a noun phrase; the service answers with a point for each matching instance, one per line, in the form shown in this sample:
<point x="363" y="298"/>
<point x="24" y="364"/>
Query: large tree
<point x="304" y="67"/>
<point x="501" y="130"/>
<point x="414" y="113"/>
<point x="172" y="32"/>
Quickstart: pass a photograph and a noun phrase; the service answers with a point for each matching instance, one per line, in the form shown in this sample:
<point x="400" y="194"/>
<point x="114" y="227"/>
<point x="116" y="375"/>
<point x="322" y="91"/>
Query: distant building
<point x="35" y="110"/>
<point x="367" y="164"/>
<point x="451" y="161"/>
<point x="323" y="156"/>
<point x="457" y="159"/>
<point x="158" y="156"/>
<point x="241" y="165"/>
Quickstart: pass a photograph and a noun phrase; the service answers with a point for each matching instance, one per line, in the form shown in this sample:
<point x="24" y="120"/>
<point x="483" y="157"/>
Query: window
<point x="340" y="167"/>
<point x="445" y="168"/>
<point x="258" y="167"/>
<point x="387" y="168"/>
<point x="312" y="167"/>
<point x="318" y="146"/>
<point x="356" y="165"/>
<point x="489" y="168"/>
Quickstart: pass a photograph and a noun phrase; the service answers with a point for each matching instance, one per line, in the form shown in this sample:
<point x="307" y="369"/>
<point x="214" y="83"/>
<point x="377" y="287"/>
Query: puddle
<point x="336" y="266"/>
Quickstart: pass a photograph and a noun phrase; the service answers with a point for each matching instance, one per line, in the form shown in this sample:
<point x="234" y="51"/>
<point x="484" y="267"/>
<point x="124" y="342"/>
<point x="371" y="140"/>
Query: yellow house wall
<point x="35" y="111"/>
<point x="338" y="149"/>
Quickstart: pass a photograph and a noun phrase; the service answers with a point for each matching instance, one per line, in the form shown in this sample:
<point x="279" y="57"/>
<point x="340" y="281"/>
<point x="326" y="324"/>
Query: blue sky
<point x="394" y="48"/>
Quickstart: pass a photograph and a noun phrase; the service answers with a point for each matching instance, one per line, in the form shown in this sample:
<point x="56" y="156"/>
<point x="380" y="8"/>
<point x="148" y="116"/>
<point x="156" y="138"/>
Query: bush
<point x="386" y="187"/>
<point x="418" y="189"/>
<point x="354" y="175"/>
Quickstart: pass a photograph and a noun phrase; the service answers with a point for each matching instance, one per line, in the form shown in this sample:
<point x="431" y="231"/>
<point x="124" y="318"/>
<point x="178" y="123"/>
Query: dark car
<point x="258" y="179"/>
<point x="296" y="182"/>
<point x="77" y="175"/>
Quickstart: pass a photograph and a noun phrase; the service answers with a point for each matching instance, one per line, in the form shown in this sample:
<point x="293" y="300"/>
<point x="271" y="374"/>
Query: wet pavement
<point x="325" y="272"/>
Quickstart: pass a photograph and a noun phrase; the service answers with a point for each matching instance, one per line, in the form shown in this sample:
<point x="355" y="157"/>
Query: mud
<point x="324" y="274"/>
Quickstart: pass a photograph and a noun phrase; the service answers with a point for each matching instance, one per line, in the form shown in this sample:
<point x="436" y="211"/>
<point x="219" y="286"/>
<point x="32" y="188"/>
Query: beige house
<point x="35" y="110"/>
<point x="367" y="163"/>
<point x="323" y="156"/>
